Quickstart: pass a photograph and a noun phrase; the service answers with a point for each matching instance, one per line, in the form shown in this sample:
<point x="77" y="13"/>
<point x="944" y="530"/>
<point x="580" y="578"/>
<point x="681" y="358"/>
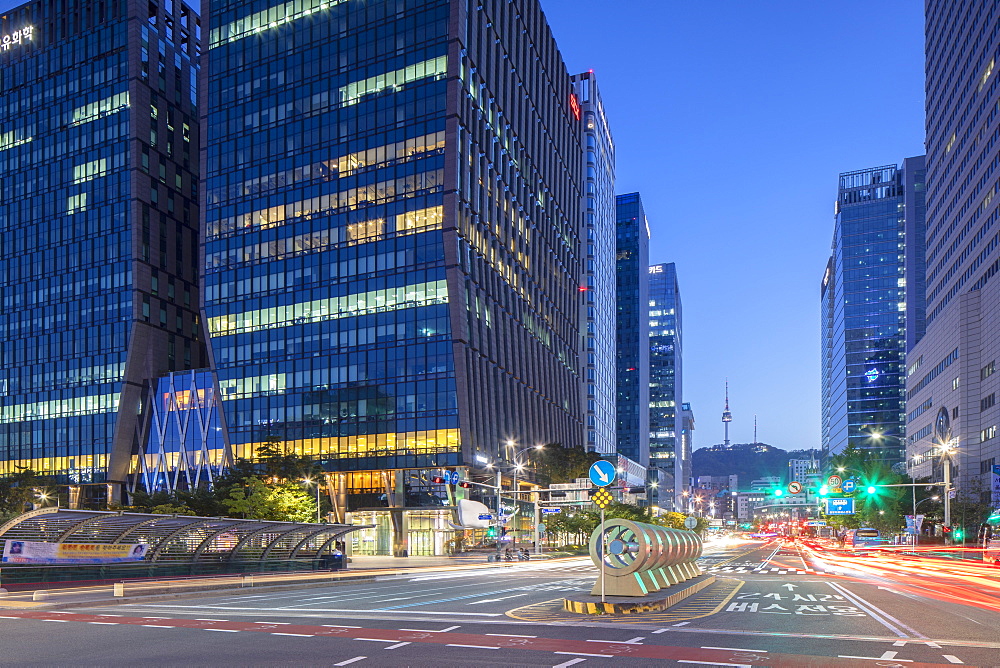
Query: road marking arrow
<point x="893" y="591"/>
<point x="789" y="586"/>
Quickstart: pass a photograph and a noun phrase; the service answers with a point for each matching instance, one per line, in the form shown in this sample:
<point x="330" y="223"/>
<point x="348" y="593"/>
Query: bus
<point x="990" y="537"/>
<point x="865" y="538"/>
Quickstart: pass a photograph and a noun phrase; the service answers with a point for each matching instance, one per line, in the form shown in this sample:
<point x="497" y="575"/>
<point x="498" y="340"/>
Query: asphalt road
<point x="770" y="606"/>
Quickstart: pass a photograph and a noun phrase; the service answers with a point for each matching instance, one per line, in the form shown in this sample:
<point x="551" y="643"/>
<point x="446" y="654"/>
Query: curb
<point x="635" y="607"/>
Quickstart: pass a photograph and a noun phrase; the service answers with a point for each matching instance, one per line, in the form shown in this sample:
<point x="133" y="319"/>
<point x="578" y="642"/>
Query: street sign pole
<point x="604" y="551"/>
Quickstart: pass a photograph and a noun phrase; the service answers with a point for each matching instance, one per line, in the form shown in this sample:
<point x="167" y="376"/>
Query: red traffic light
<point x="465" y="483"/>
<point x="438" y="479"/>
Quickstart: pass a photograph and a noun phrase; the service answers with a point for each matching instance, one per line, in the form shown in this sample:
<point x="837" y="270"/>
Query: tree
<point x="557" y="464"/>
<point x="172" y="509"/>
<point x="257" y="500"/>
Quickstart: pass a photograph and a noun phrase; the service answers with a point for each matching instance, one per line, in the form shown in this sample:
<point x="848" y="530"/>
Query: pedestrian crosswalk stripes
<point x="770" y="571"/>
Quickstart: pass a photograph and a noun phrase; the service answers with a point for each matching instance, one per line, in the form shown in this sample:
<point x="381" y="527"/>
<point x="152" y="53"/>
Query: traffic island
<point x="634" y="605"/>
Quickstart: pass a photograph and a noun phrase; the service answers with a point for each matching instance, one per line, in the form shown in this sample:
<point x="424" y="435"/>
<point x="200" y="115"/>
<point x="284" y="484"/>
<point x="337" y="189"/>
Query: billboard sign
<point x="840" y="506"/>
<point x="37" y="552"/>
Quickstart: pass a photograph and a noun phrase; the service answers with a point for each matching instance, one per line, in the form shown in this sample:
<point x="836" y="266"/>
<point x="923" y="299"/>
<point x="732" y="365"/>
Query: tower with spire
<point x="727" y="417"/>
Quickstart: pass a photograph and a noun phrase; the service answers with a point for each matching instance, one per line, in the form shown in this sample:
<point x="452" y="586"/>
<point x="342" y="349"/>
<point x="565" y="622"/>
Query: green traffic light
<point x="958" y="534"/>
<point x="824" y="490"/>
<point x="871" y="489"/>
<point x="778" y="492"/>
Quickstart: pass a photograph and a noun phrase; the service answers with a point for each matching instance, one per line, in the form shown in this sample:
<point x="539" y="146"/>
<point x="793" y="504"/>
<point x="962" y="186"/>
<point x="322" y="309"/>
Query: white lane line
<point x="934" y="645"/>
<point x="340" y="626"/>
<point x="157" y="626"/>
<point x="222" y="630"/>
<point x="6" y="617"/>
<point x="509" y="635"/>
<point x="399" y="644"/>
<point x="374" y="639"/>
<point x="210" y="620"/>
<point x="871" y="658"/>
<point x="877" y="614"/>
<point x="633" y="641"/>
<point x="681" y="624"/>
<point x="889" y="655"/>
<point x="603" y="656"/>
<point x="661" y="630"/>
<point x="110" y="615"/>
<point x="738" y="649"/>
<point x="476" y="646"/>
<point x="298" y="635"/>
<point x="899" y="643"/>
<point x="55" y="620"/>
<point x="345" y="610"/>
<point x="715" y="663"/>
<point x="569" y="663"/>
<point x="350" y="661"/>
<point x="101" y="623"/>
<point x="952" y="658"/>
<point x="450" y="628"/>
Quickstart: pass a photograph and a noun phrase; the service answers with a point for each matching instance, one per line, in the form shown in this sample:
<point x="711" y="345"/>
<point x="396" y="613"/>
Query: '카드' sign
<point x="36" y="552"/>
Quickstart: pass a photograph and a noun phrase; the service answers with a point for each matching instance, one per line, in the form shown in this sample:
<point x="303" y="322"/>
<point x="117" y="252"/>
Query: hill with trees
<point x="749" y="461"/>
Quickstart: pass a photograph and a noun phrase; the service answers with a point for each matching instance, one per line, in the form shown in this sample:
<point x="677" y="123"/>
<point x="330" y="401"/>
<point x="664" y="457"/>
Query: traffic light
<point x="438" y="480"/>
<point x="958" y="534"/>
<point x="778" y="492"/>
<point x="465" y="484"/>
<point x="824" y="490"/>
<point x="871" y="489"/>
<point x="491" y="532"/>
<point x="946" y="531"/>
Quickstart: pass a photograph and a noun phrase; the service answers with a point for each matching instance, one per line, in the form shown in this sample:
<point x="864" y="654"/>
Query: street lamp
<point x="310" y="481"/>
<point x="518" y="467"/>
<point x="946" y="450"/>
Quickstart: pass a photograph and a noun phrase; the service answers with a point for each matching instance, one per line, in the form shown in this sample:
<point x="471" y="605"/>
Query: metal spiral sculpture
<point x="643" y="558"/>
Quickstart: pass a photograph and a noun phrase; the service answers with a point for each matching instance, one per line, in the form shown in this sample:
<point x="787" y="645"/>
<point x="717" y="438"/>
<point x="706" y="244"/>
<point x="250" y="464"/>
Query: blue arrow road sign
<point x="849" y="486"/>
<point x="603" y="473"/>
<point x="551" y="510"/>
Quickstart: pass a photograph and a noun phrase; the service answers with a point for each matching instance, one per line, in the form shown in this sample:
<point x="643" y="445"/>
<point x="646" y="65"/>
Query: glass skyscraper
<point x="665" y="367"/>
<point x="393" y="233"/>
<point x="632" y="276"/>
<point x="597" y="358"/>
<point x="99" y="220"/>
<point x="866" y="305"/>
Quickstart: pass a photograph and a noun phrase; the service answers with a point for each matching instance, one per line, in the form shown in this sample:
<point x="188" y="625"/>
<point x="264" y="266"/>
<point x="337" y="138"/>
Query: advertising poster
<point x="996" y="485"/>
<point x="34" y="552"/>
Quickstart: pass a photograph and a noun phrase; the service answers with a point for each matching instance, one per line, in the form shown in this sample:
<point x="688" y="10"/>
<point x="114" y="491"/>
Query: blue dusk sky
<point x="733" y="120"/>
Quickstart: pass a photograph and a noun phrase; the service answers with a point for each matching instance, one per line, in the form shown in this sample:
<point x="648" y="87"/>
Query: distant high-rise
<point x="597" y="355"/>
<point x="866" y="305"/>
<point x="665" y="376"/>
<point x="99" y="179"/>
<point x="393" y="239"/>
<point x="687" y="448"/>
<point x="632" y="274"/>
<point x="952" y="385"/>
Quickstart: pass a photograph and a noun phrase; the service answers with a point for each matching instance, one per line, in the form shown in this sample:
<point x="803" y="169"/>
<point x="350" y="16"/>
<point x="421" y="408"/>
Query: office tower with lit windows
<point x="665" y="367"/>
<point x="99" y="219"/>
<point x="597" y="357"/>
<point x="632" y="326"/>
<point x="392" y="235"/>
<point x="866" y="305"/>
<point x="952" y="385"/>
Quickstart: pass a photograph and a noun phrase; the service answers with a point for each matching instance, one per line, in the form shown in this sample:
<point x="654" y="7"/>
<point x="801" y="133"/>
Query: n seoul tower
<point x="727" y="417"/>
